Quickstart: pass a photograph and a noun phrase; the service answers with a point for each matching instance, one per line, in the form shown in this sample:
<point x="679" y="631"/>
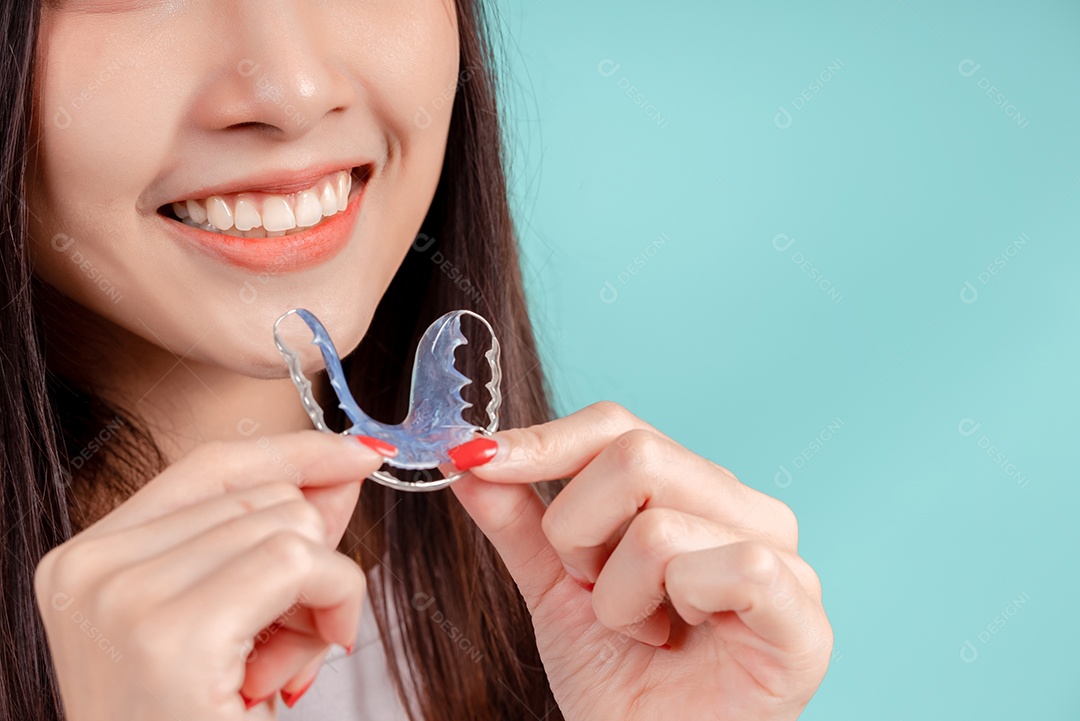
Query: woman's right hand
<point x="154" y="611"/>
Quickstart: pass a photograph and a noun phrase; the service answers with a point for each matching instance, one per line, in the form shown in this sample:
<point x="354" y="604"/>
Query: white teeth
<point x="308" y="209"/>
<point x="240" y="215"/>
<point x="219" y="213"/>
<point x="277" y="214"/>
<point x="196" y="211"/>
<point x="328" y="198"/>
<point x="246" y="215"/>
<point x="344" y="184"/>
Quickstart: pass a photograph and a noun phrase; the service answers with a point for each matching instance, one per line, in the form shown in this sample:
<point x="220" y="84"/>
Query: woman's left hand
<point x="701" y="608"/>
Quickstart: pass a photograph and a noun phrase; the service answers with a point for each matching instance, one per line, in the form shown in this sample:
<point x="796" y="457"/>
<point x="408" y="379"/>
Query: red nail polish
<point x="579" y="578"/>
<point x="584" y="584"/>
<point x="292" y="698"/>
<point x="348" y="649"/>
<point x="378" y="445"/>
<point x="249" y="702"/>
<point x="476" y="452"/>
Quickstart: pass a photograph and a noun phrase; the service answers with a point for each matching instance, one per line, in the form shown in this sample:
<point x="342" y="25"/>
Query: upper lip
<point x="280" y="181"/>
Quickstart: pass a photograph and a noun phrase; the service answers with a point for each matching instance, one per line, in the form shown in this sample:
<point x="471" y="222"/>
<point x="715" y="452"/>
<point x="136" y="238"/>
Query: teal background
<point x="899" y="181"/>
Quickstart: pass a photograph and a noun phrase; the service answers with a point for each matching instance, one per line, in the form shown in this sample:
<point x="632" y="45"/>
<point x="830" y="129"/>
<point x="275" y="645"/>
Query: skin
<point x="656" y="580"/>
<point x="178" y="570"/>
<point x="142" y="102"/>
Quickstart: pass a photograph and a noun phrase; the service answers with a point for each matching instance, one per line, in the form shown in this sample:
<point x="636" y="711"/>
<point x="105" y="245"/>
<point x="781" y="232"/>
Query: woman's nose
<point x="282" y="71"/>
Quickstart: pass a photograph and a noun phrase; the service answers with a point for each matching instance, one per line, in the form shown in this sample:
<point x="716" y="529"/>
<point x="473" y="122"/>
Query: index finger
<point x="548" y="451"/>
<point x="304" y="458"/>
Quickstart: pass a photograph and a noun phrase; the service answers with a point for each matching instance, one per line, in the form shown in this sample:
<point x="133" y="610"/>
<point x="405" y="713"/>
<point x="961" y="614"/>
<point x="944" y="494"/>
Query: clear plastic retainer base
<point x="434" y="423"/>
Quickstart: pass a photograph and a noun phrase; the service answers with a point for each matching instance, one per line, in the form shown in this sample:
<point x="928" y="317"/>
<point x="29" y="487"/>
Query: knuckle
<point x="353" y="574"/>
<point x="657" y="532"/>
<point x="67" y="565"/>
<point x="612" y="415"/>
<point x="43" y="572"/>
<point x="758" y="564"/>
<point x="786" y="522"/>
<point x="771" y="518"/>
<point x="304" y="516"/>
<point x="639" y="450"/>
<point x="537" y="445"/>
<point x="288" y="552"/>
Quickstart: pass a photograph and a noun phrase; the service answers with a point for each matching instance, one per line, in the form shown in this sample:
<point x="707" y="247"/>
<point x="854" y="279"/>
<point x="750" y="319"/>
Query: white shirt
<point x="353" y="687"/>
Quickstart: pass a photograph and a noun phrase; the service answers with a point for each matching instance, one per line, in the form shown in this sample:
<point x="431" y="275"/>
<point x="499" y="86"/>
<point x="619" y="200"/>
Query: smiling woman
<point x="148" y="117"/>
<point x="179" y="543"/>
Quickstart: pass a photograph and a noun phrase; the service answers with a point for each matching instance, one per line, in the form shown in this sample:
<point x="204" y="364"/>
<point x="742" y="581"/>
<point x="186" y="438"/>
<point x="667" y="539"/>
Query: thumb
<point x="498" y="495"/>
<point x="510" y="516"/>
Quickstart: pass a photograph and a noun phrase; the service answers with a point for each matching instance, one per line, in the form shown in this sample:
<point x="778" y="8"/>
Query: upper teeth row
<point x="272" y="212"/>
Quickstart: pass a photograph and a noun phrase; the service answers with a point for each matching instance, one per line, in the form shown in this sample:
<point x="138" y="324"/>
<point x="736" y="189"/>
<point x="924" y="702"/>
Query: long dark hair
<point x="467" y="258"/>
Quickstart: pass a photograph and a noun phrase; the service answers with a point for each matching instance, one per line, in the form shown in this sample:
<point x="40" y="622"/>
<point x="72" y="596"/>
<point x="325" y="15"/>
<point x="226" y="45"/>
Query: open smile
<point x="261" y="230"/>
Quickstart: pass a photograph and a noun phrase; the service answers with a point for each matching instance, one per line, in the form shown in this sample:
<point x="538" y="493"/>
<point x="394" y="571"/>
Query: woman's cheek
<point x="413" y="83"/>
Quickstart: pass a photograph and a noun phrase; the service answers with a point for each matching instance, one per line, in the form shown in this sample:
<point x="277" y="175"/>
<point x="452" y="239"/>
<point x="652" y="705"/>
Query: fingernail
<point x="348" y="649"/>
<point x="378" y="445"/>
<point x="584" y="584"/>
<point x="474" y="453"/>
<point x="292" y="698"/>
<point x="249" y="702"/>
<point x="663" y="646"/>
<point x="579" y="578"/>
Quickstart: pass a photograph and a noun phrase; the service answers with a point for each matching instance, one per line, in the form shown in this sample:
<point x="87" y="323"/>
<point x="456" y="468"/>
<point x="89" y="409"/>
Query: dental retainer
<point x="434" y="423"/>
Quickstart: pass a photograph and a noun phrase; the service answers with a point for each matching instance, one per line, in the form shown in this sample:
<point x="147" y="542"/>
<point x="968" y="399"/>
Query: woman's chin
<point x="255" y="354"/>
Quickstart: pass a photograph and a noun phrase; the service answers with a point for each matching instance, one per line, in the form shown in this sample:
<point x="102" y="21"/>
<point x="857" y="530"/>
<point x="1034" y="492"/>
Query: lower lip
<point x="287" y="253"/>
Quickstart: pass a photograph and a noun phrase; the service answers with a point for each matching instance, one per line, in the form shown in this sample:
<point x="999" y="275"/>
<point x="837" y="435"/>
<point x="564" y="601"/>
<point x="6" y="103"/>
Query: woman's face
<point x="257" y="112"/>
